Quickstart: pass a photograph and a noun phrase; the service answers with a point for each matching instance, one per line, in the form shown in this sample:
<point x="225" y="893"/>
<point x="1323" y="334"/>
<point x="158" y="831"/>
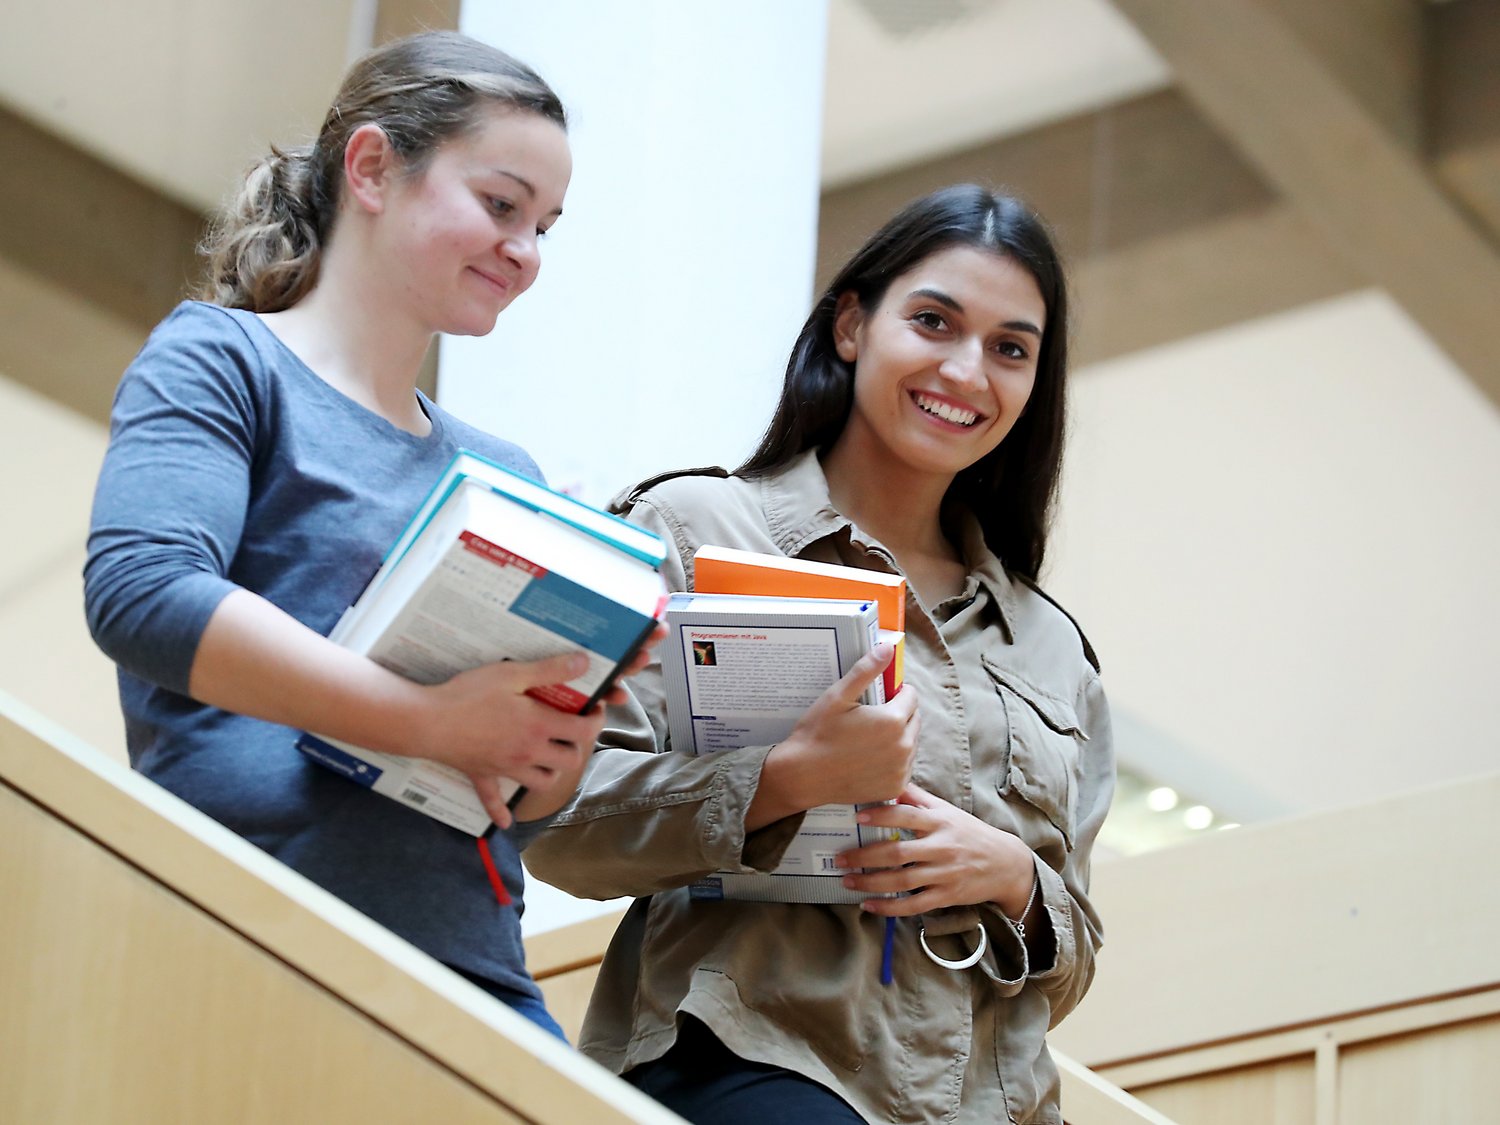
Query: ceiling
<point x="910" y="82"/>
<point x="179" y="93"/>
<point x="1344" y="110"/>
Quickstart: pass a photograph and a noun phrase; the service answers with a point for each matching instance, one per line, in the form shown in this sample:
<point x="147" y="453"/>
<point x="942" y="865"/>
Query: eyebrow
<point x="522" y="180"/>
<point x="525" y="183"/>
<point x="948" y="302"/>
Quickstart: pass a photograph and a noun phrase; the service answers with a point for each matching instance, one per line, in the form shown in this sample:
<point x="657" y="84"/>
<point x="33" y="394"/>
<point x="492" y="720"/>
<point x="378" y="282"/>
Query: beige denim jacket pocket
<point x="1042" y="746"/>
<point x="798" y="977"/>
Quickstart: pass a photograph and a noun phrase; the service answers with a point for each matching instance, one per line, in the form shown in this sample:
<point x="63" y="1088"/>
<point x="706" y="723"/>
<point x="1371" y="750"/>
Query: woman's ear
<point x="848" y="316"/>
<point x="370" y="166"/>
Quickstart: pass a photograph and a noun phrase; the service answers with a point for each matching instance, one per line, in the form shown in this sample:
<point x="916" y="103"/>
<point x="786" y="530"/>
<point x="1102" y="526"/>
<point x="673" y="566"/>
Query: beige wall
<point x="49" y="458"/>
<point x="217" y="82"/>
<point x="1281" y="538"/>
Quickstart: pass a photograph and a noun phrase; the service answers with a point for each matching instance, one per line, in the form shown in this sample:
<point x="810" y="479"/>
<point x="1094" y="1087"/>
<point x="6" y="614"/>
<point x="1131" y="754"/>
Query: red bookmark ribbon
<point x="502" y="896"/>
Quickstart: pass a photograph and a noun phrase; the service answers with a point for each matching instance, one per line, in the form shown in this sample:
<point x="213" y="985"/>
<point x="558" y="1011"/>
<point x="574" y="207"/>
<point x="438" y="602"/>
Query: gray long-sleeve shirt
<point x="231" y="464"/>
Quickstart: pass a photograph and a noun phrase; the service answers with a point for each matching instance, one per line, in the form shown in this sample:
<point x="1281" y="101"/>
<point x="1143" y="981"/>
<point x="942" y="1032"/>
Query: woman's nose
<point x="964" y="364"/>
<point x="525" y="251"/>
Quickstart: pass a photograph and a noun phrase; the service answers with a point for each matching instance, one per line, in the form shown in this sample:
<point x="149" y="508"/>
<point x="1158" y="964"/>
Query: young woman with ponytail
<point x="267" y="445"/>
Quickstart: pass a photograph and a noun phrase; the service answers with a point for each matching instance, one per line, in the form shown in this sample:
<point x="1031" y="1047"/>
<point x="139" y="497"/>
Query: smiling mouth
<point x="944" y="410"/>
<point x="498" y="283"/>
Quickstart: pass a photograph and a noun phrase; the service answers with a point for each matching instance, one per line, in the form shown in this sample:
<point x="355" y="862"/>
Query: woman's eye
<point x="928" y="319"/>
<point x="499" y="207"/>
<point x="1011" y="350"/>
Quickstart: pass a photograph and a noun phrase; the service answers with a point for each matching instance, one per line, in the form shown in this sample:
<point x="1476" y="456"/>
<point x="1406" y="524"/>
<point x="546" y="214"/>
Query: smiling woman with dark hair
<point x="919" y="432"/>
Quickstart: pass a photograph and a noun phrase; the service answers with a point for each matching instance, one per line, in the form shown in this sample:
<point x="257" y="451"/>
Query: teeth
<point x="947" y="413"/>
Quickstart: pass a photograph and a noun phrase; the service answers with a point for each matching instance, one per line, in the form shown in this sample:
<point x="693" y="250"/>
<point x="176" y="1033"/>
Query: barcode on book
<point x="415" y="796"/>
<point x="829" y="863"/>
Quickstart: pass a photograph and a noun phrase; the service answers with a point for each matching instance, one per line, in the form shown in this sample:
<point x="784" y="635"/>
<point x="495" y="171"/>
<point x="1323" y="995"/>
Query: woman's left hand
<point x="955" y="859"/>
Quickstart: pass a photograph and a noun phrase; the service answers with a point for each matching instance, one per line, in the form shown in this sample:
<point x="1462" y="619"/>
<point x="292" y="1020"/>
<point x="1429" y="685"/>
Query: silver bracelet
<point x="1019" y="924"/>
<point x="964" y="963"/>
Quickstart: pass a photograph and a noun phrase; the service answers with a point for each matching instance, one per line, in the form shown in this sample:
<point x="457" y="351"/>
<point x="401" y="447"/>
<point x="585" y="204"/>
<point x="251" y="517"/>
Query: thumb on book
<point x="551" y="670"/>
<point x="865" y="671"/>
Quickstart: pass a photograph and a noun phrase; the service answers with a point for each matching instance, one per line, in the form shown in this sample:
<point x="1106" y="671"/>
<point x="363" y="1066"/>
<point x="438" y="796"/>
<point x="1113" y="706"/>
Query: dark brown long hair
<point x="1011" y="490"/>
<point x="265" y="248"/>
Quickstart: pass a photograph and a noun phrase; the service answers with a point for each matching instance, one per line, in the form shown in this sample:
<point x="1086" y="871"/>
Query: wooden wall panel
<point x="568" y="997"/>
<point x="123" y="1003"/>
<point x="1439" y="1075"/>
<point x="1280" y="1092"/>
<point x="1292" y="923"/>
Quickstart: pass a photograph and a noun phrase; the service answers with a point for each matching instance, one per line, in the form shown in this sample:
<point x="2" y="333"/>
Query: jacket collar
<point x="799" y="513"/>
<point x="798" y="510"/>
<point x="985" y="565"/>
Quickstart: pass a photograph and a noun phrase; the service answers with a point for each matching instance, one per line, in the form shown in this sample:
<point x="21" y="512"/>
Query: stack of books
<point x="494" y="566"/>
<point x="746" y="654"/>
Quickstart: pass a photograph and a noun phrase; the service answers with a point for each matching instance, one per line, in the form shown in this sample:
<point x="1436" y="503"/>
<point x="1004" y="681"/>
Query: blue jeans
<point x="528" y="1005"/>
<point x="701" y="1080"/>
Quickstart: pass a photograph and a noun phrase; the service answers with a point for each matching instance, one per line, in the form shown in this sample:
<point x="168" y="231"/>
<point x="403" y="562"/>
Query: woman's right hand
<point x="497" y="731"/>
<point x="483" y="723"/>
<point x="842" y="751"/>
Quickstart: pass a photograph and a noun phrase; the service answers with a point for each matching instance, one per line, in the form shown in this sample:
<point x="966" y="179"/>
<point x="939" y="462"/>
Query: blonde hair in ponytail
<point x="265" y="247"/>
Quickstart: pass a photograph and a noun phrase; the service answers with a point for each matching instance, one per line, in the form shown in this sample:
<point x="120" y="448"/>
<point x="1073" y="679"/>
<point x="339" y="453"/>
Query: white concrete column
<point x="672" y="288"/>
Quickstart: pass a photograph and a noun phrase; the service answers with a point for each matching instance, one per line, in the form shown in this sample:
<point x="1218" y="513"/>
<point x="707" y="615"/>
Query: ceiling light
<point x="1161" y="799"/>
<point x="1198" y="816"/>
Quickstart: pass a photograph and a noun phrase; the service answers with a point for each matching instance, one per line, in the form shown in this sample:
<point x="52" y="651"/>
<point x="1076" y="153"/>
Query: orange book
<point x="726" y="570"/>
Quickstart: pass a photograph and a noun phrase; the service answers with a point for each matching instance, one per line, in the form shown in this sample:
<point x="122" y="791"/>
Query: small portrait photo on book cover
<point x="704" y="655"/>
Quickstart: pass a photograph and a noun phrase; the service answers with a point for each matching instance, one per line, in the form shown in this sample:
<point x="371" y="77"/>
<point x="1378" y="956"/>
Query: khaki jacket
<point x="1014" y="729"/>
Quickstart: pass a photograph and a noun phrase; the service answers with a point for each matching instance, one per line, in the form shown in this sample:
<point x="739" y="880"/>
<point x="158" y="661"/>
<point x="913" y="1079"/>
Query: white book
<point x="468" y="467"/>
<point x="487" y="578"/>
<point x="742" y="671"/>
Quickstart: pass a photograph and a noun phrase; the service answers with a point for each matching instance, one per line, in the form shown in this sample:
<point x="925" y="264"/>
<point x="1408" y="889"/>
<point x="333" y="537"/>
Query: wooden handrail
<point x="53" y="783"/>
<point x="455" y="1027"/>
<point x="1089" y="1099"/>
